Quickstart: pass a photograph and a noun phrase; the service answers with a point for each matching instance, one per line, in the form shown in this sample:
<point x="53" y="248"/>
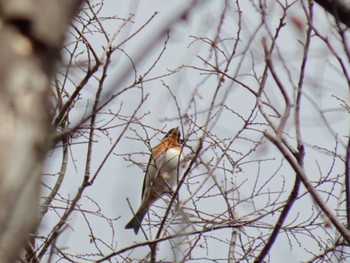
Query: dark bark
<point x="338" y="8"/>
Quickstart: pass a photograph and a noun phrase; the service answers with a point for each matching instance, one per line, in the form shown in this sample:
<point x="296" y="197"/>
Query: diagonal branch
<point x="315" y="195"/>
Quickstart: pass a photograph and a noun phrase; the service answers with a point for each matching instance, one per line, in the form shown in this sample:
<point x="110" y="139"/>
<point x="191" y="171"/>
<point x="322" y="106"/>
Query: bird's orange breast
<point x="164" y="145"/>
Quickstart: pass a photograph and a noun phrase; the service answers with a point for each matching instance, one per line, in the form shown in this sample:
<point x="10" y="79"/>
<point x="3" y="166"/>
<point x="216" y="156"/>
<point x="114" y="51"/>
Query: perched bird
<point x="161" y="174"/>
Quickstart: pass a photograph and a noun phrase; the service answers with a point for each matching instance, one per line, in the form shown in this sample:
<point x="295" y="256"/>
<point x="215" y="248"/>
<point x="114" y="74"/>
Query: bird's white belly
<point x="167" y="170"/>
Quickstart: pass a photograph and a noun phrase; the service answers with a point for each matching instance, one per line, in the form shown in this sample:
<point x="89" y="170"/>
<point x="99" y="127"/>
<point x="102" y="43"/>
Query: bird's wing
<point x="150" y="174"/>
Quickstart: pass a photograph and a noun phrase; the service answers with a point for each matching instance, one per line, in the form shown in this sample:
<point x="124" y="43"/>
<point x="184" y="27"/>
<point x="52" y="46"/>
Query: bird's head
<point x="174" y="133"/>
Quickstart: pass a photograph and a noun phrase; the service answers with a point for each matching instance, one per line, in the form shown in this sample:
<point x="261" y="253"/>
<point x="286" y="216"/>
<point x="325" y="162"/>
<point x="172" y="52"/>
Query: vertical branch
<point x="85" y="183"/>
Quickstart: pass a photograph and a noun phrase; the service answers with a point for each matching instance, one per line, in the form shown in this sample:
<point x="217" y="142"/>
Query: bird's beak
<point x="176" y="132"/>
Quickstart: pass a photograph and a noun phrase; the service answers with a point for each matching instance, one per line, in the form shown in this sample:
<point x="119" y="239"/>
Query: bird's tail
<point x="135" y="222"/>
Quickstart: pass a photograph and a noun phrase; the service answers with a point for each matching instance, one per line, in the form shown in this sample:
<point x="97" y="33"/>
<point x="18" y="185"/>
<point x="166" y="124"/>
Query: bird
<point x="161" y="174"/>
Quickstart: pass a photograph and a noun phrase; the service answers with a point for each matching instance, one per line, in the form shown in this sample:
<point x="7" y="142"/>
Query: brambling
<point x="161" y="174"/>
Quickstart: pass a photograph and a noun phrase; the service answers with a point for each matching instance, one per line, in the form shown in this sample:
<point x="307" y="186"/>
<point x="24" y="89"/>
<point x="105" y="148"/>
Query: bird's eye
<point x="179" y="140"/>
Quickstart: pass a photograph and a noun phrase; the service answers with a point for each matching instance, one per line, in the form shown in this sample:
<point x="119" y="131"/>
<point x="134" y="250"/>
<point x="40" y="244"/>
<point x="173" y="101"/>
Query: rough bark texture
<point x="340" y="9"/>
<point x="31" y="34"/>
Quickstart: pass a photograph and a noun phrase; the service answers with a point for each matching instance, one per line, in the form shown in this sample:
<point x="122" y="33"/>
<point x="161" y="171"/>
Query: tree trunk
<point x="31" y="34"/>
